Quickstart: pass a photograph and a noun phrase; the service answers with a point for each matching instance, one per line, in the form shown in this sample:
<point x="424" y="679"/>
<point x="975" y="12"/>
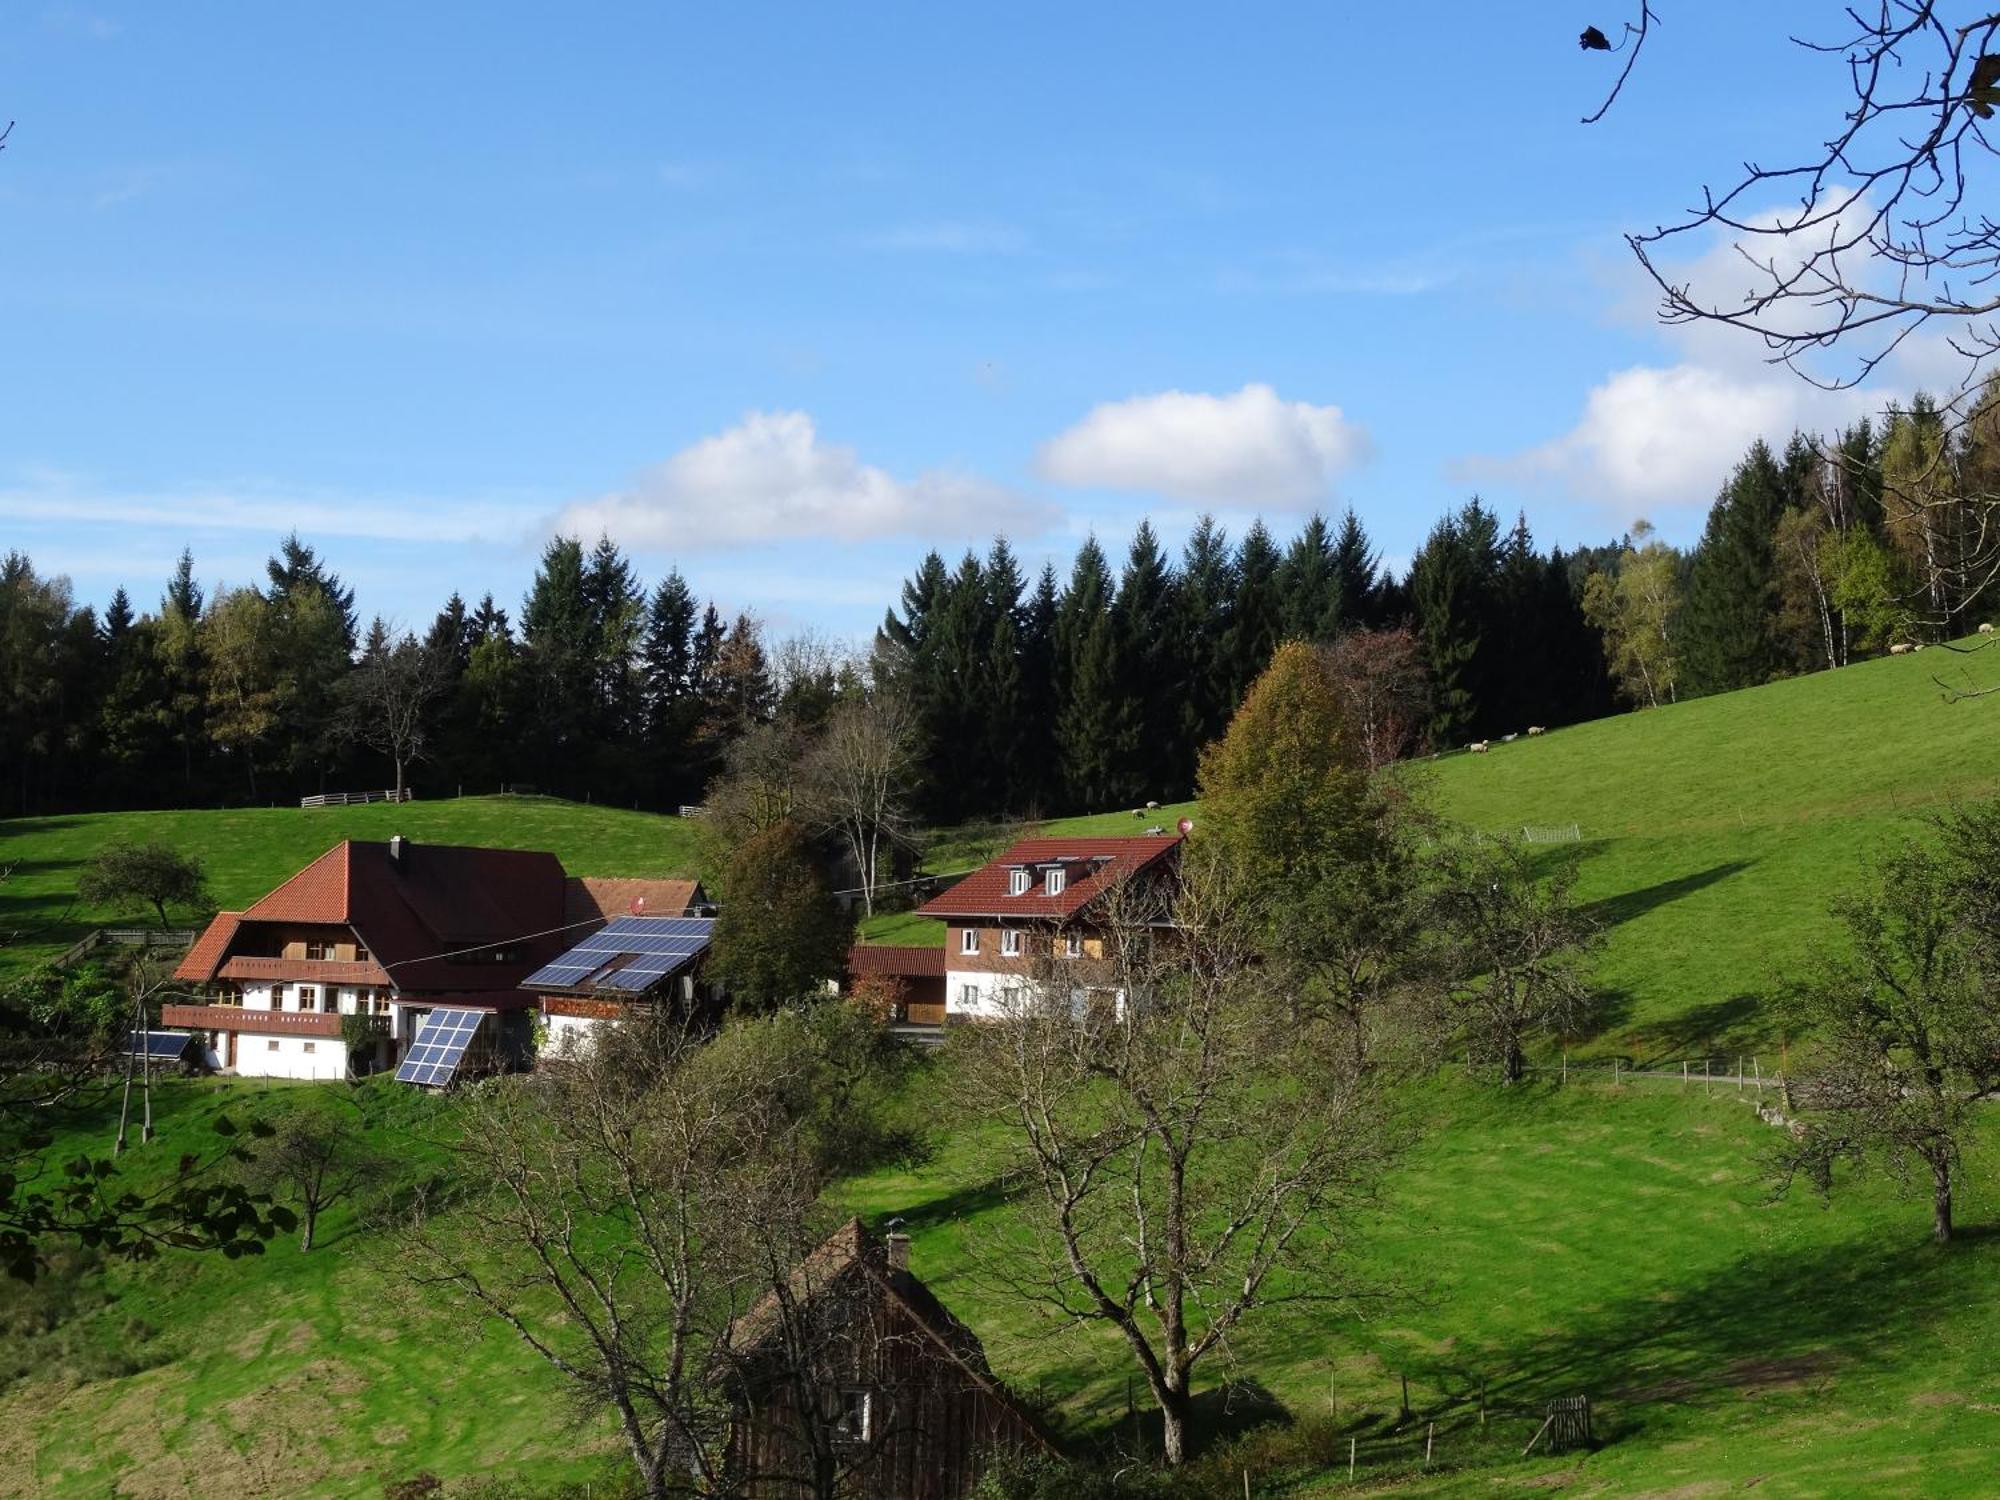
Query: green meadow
<point x="1617" y="1241"/>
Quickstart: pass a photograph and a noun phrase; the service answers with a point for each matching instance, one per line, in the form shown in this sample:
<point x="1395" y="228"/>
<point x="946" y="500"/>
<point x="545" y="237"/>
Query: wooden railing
<point x="243" y="1018"/>
<point x="356" y="799"/>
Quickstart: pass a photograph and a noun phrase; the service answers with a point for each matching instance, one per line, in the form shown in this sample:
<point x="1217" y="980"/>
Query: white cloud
<point x="949" y="237"/>
<point x="1248" y="447"/>
<point x="772" y="478"/>
<point x="56" y="499"/>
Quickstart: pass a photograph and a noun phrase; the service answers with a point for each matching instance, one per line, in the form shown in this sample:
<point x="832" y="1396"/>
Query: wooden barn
<point x="856" y="1380"/>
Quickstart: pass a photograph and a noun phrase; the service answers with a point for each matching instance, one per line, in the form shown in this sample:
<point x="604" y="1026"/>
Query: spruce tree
<point x="1146" y="712"/>
<point x="1357" y="574"/>
<point x="1309" y="587"/>
<point x="1202" y="671"/>
<point x="1728" y="625"/>
<point x="1086" y="683"/>
<point x="1256" y="616"/>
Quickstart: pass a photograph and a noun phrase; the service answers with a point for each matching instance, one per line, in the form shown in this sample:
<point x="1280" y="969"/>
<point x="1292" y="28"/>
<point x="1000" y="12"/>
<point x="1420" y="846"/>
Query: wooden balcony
<point x="259" y="1022"/>
<point x="589" y="1010"/>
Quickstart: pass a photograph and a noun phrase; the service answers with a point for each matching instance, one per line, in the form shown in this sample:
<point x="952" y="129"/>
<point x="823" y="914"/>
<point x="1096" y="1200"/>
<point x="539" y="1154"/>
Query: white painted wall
<point x="571" y="1035"/>
<point x="287" y="1057"/>
<point x="979" y="995"/>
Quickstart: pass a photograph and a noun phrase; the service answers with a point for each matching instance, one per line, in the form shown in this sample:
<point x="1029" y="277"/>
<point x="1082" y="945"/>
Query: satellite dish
<point x="638" y="906"/>
<point x="1186" y="826"/>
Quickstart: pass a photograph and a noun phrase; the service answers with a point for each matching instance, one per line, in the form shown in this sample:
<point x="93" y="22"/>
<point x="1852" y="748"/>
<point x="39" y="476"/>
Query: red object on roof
<point x="899" y="962"/>
<point x="1090" y="868"/>
<point x="205" y="957"/>
<point x="600" y="898"/>
<point x="434" y="918"/>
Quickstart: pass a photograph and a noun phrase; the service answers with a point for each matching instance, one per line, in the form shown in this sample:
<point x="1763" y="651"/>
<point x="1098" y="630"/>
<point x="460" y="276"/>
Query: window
<point x="1018" y="882"/>
<point x="968" y="940"/>
<point x="318" y="948"/>
<point x="855" y="1420"/>
<point x="272" y="1045"/>
<point x="310" y="1047"/>
<point x="308" y="997"/>
<point x="1053" y="882"/>
<point x="1072" y="947"/>
<point x="968" y="998"/>
<point x="1010" y="943"/>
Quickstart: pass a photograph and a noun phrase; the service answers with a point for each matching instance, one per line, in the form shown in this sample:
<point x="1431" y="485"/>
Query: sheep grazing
<point x="1480" y="747"/>
<point x="1508" y="739"/>
<point x="1901" y="648"/>
<point x="1535" y="729"/>
<point x="1152" y="807"/>
<point x="1987" y="628"/>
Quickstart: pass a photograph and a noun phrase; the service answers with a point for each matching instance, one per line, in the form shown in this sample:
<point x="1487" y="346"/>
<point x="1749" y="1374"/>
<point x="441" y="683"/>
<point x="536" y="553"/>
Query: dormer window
<point x="1052" y="883"/>
<point x="1018" y="882"/>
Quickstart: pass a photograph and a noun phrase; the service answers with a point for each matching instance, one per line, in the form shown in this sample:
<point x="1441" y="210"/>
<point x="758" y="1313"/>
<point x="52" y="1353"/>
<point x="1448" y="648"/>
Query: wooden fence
<point x="356" y="799"/>
<point x="128" y="937"/>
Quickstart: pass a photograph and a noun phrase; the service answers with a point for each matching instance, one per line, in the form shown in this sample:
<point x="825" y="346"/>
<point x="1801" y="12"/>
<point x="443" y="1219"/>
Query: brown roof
<point x="604" y="897"/>
<point x="433" y="920"/>
<point x="1094" y="866"/>
<point x="206" y="955"/>
<point x="903" y="963"/>
<point x="852" y="1251"/>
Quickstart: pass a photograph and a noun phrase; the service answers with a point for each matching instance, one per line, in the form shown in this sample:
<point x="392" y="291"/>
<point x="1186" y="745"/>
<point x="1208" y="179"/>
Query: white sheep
<point x="1987" y="628"/>
<point x="1480" y="747"/>
<point x="1901" y="648"/>
<point x="1535" y="729"/>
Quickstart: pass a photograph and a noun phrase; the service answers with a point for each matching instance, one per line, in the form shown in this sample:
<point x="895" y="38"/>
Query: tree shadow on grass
<point x="1718" y="1029"/>
<point x="960" y="1203"/>
<point x="1771" y="1322"/>
<point x="1613" y="911"/>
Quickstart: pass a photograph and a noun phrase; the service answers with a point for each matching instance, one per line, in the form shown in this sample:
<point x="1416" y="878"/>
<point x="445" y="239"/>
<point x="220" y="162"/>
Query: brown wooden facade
<point x="903" y="1404"/>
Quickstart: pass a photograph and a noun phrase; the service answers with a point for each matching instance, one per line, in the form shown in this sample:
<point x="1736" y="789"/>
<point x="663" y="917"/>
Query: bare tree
<point x="1512" y="951"/>
<point x="391" y="695"/>
<point x="318" y="1157"/>
<point x="1906" y="1019"/>
<point x="1189" y="1157"/>
<point x="1381" y="680"/>
<point x="860" y="775"/>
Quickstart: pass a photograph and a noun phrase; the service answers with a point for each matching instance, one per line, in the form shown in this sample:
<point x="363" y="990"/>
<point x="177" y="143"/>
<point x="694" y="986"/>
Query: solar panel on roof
<point x="628" y="954"/>
<point x="440" y="1046"/>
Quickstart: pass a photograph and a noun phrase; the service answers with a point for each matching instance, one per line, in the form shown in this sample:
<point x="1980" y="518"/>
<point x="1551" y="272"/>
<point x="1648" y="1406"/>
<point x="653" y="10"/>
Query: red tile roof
<point x="418" y="916"/>
<point x="203" y="958"/>
<point x="903" y="963"/>
<point x="604" y="897"/>
<point x="1103" y="864"/>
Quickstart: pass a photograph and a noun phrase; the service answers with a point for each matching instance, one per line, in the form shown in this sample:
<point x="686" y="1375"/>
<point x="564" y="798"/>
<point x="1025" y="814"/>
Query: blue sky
<point x="787" y="295"/>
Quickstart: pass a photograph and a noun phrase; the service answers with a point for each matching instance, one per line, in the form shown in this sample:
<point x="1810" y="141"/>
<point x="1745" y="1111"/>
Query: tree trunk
<point x="399" y="778"/>
<point x="1941" y="1204"/>
<point x="1513" y="1063"/>
<point x="310" y="1220"/>
<point x="1173" y="1421"/>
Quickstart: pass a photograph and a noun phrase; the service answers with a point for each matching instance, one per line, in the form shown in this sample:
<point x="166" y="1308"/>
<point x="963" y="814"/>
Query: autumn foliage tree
<point x="779" y="933"/>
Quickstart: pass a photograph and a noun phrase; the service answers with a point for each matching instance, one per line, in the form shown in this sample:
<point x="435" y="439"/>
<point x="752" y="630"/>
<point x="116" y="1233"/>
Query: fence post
<point x="1430" y="1433"/>
<point x="1350" y="1460"/>
<point x="1684" y="1075"/>
<point x="1705" y="1077"/>
<point x="1757" y="1068"/>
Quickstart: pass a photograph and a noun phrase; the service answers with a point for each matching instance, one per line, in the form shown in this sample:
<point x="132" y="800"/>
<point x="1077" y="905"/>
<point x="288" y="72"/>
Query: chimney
<point x="899" y="1249"/>
<point x="396" y="850"/>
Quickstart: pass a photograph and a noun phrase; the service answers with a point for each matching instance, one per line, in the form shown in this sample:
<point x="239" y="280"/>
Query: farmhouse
<point x="339" y="967"/>
<point x="1037" y="915"/>
<point x="856" y="1373"/>
<point x="633" y="963"/>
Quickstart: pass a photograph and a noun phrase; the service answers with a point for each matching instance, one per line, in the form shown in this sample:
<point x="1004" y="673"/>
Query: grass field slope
<point x="249" y="850"/>
<point x="1713" y="833"/>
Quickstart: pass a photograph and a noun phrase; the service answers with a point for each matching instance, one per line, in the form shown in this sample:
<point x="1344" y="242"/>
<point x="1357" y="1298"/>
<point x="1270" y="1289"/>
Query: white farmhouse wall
<point x="257" y="1057"/>
<point x="572" y="1036"/>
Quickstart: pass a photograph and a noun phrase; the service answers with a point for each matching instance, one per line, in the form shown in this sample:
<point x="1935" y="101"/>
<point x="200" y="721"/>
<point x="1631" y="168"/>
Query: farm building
<point x="632" y="963"/>
<point x="856" y="1377"/>
<point x="356" y="950"/>
<point x="1037" y="916"/>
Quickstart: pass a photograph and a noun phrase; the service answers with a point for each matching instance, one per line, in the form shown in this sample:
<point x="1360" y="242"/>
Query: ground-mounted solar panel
<point x="434" y="1056"/>
<point x="627" y="955"/>
<point x="160" y="1046"/>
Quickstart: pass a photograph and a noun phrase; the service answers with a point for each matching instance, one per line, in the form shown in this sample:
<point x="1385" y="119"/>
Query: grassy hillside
<point x="1714" y="832"/>
<point x="1543" y="1242"/>
<point x="249" y="850"/>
